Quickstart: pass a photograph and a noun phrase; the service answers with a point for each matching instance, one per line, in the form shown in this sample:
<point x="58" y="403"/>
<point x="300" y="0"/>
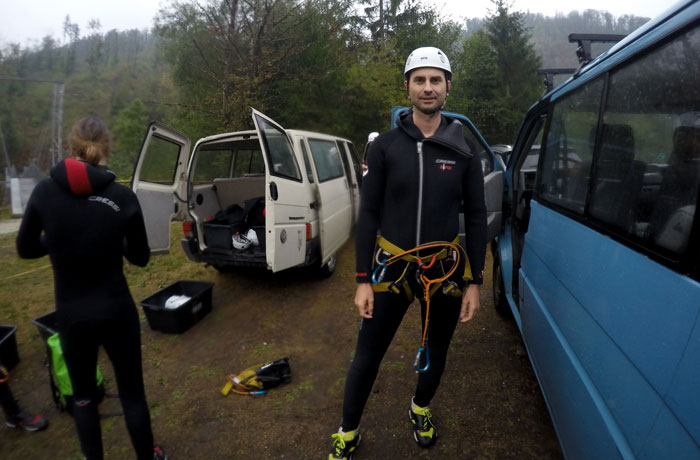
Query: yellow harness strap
<point x="402" y="284"/>
<point x="392" y="249"/>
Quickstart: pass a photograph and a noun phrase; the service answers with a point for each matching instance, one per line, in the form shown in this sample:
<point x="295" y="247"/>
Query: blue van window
<point x="568" y="150"/>
<point x="647" y="172"/>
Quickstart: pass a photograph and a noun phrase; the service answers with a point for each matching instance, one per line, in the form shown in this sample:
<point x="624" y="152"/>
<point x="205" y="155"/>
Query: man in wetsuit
<point x="419" y="176"/>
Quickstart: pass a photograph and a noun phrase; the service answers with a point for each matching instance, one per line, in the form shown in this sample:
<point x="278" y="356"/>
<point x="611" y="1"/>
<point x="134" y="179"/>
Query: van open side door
<point x="160" y="182"/>
<point x="286" y="209"/>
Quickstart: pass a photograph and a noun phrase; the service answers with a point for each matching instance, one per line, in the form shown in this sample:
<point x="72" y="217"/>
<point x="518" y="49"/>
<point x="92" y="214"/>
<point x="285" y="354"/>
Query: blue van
<point x="598" y="255"/>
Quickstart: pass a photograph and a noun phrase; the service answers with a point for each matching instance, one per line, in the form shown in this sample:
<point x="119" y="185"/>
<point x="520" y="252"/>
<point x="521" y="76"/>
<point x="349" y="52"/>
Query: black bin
<point x="9" y="357"/>
<point x="46" y="325"/>
<point x="175" y="321"/>
<point x="218" y="235"/>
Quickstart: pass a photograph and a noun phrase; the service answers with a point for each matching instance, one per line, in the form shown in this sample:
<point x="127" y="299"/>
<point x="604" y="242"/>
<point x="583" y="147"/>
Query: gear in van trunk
<point x="232" y="227"/>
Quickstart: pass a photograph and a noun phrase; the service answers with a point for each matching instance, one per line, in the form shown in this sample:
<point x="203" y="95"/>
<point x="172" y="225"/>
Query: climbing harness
<point x="392" y="254"/>
<point x="4" y="375"/>
<point x="256" y="380"/>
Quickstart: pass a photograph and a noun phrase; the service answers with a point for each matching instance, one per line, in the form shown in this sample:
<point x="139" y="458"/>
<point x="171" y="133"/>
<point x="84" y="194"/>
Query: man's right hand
<point x="364" y="300"/>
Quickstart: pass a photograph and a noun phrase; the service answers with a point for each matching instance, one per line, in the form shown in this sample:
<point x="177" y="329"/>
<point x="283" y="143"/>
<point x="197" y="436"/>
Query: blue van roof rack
<point x="583" y="52"/>
<point x="549" y="76"/>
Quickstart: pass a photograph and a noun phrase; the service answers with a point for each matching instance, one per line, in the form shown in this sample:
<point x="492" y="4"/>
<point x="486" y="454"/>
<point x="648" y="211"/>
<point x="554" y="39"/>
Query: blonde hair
<point x="90" y="140"/>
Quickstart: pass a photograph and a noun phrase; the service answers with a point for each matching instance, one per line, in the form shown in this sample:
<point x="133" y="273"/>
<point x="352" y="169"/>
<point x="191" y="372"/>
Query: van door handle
<point x="273" y="191"/>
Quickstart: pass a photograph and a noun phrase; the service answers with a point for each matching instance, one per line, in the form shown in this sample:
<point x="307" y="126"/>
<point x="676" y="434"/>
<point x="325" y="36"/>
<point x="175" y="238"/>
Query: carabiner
<point x="422" y="266"/>
<point x="378" y="279"/>
<point x="416" y="362"/>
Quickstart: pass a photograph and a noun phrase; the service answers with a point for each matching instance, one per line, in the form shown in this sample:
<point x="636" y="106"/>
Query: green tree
<point x="404" y="25"/>
<point x="477" y="89"/>
<point x="129" y="128"/>
<point x="94" y="60"/>
<point x="229" y="54"/>
<point x="71" y="33"/>
<point x="374" y="84"/>
<point x="516" y="56"/>
<point x="518" y="66"/>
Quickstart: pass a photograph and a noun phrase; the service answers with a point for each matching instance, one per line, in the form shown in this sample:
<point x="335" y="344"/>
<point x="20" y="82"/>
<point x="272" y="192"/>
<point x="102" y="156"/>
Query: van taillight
<point x="187" y="228"/>
<point x="308" y="232"/>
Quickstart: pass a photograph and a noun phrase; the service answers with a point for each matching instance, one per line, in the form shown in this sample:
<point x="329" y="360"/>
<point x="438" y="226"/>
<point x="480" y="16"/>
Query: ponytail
<point x="90" y="141"/>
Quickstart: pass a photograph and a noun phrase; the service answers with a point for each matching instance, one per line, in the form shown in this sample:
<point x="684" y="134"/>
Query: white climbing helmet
<point x="240" y="242"/>
<point x="428" y="56"/>
<point x="252" y="237"/>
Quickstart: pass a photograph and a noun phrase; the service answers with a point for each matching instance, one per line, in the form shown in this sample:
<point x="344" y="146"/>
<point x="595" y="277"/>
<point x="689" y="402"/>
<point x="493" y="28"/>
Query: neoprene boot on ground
<point x="424" y="431"/>
<point x="28" y="422"/>
<point x="344" y="445"/>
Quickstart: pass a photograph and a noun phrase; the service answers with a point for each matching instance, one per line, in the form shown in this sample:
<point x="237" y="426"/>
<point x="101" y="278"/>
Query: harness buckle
<point x="394" y="288"/>
<point x="451" y="288"/>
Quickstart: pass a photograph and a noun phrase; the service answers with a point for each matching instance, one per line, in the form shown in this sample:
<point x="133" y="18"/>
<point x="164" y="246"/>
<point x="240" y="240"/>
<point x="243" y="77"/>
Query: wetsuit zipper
<point x="420" y="191"/>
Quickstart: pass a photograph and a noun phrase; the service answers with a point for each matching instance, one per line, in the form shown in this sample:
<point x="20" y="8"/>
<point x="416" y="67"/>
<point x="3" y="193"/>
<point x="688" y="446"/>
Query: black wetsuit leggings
<point x="7" y="401"/>
<point x="121" y="339"/>
<point x="373" y="341"/>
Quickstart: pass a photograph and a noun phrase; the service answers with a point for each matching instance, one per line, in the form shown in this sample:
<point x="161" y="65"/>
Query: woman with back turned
<point x="87" y="223"/>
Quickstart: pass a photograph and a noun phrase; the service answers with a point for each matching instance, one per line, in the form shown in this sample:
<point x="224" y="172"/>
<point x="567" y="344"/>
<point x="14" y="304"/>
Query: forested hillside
<point x="331" y="65"/>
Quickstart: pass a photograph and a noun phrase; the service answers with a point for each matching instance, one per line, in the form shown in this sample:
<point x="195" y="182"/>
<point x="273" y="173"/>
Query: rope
<point x="425" y="281"/>
<point x="26" y="273"/>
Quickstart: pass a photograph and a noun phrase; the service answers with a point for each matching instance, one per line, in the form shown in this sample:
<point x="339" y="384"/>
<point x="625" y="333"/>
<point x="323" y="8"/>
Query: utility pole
<point x="57" y="123"/>
<point x="4" y="148"/>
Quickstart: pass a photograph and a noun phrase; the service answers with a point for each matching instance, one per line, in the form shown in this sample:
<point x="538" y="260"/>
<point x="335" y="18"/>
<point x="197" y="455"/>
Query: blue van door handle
<point x="273" y="191"/>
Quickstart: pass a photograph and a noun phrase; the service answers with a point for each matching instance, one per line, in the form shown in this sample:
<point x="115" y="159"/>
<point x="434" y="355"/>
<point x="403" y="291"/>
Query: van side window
<point x="279" y="149"/>
<point x="568" y="152"/>
<point x="307" y="163"/>
<point x="649" y="157"/>
<point x="160" y="163"/>
<point x="327" y="159"/>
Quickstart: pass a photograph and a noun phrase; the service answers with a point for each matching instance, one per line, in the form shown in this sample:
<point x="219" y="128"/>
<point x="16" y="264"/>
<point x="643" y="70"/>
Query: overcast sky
<point x="27" y="21"/>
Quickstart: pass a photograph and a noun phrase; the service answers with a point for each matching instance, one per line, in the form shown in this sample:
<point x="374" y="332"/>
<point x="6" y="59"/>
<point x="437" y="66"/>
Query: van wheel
<point x="327" y="269"/>
<point x="499" y="292"/>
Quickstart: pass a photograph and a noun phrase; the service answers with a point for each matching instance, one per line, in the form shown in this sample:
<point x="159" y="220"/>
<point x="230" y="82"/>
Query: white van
<point x="295" y="192"/>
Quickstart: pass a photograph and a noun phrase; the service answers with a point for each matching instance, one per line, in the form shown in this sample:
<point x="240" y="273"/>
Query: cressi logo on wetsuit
<point x="106" y="201"/>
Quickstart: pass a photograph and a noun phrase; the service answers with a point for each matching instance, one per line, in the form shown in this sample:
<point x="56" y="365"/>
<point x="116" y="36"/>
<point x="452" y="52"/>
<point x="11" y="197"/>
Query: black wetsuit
<point x="88" y="223"/>
<point x="411" y="194"/>
<point x="7" y="401"/>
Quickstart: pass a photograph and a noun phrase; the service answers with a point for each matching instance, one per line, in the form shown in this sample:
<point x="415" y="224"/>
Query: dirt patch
<point x="489" y="405"/>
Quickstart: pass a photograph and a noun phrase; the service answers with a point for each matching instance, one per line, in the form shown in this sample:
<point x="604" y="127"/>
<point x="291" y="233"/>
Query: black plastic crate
<point x="219" y="235"/>
<point x="9" y="357"/>
<point x="46" y="325"/>
<point x="175" y="321"/>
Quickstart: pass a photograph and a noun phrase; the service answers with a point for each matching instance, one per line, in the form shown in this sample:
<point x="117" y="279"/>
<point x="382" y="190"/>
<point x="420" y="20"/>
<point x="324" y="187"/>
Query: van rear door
<point x="160" y="182"/>
<point x="286" y="206"/>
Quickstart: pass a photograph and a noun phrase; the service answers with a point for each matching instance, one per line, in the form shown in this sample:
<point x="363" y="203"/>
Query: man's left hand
<point x="470" y="303"/>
